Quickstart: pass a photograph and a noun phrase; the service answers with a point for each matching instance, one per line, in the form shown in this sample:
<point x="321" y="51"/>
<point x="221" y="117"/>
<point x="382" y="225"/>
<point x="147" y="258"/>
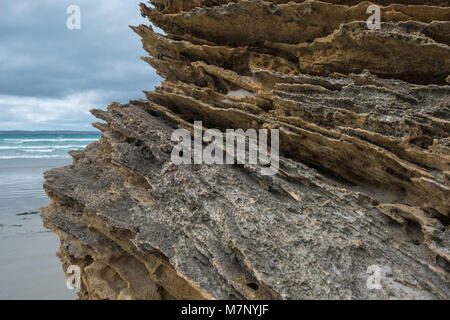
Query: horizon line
<point x="68" y="131"/>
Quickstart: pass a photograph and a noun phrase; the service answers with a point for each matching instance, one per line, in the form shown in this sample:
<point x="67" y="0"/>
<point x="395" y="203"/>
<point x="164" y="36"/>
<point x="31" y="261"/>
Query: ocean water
<point x="29" y="268"/>
<point x="40" y="145"/>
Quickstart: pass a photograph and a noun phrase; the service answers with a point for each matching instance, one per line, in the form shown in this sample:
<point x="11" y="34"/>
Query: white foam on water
<point x="40" y="150"/>
<point x="35" y="157"/>
<point x="39" y="147"/>
<point x="48" y="140"/>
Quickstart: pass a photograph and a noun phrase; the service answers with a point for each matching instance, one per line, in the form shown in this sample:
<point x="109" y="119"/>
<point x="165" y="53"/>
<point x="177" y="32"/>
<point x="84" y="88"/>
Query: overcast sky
<point x="51" y="76"/>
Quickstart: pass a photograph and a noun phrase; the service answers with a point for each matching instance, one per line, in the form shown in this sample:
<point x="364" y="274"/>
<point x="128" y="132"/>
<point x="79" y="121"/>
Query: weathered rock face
<point x="364" y="174"/>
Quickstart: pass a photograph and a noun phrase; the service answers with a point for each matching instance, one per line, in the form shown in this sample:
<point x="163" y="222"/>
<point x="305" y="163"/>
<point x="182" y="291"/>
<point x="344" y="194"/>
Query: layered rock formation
<point x="364" y="126"/>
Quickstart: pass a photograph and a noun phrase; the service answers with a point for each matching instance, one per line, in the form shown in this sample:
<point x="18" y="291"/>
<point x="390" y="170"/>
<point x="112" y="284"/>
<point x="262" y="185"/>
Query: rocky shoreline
<point x="363" y="117"/>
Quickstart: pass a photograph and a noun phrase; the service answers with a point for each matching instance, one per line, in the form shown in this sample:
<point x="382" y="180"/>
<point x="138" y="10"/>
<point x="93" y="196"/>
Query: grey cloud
<point x="41" y="59"/>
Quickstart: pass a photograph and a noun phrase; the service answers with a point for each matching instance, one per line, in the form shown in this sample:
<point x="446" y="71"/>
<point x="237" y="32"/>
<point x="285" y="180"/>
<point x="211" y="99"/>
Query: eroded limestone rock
<point x="364" y="170"/>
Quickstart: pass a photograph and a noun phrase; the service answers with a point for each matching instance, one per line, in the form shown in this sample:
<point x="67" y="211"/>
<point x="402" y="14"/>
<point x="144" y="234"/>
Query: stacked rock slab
<point x="364" y="122"/>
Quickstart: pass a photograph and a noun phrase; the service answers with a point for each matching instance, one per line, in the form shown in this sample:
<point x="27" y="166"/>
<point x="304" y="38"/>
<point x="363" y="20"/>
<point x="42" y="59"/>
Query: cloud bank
<point x="51" y="76"/>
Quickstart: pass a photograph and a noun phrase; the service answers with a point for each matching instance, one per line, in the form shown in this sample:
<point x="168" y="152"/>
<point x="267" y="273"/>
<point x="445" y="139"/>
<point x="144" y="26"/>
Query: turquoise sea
<point x="29" y="268"/>
<point x="38" y="145"/>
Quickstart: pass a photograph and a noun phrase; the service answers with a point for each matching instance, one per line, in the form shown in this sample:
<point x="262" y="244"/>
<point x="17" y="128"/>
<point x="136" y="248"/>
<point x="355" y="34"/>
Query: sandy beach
<point x="29" y="268"/>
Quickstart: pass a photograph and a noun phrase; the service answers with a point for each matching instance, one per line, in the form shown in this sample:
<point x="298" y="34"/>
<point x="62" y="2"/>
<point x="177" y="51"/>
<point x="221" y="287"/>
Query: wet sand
<point x="29" y="268"/>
